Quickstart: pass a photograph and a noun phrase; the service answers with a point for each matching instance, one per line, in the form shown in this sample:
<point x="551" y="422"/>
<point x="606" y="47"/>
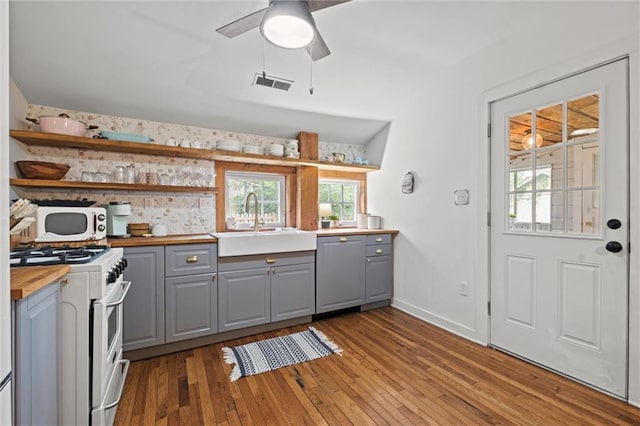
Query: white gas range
<point x="93" y="371"/>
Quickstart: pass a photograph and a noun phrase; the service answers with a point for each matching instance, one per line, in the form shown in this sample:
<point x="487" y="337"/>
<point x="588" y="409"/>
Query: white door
<point x="560" y="224"/>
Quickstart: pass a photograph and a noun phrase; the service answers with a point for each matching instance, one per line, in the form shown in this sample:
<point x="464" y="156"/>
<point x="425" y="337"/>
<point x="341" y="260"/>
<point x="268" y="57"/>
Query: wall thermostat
<point x="461" y="197"/>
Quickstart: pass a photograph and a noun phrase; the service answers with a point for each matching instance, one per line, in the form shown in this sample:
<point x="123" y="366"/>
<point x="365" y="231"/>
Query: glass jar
<point x="130" y="174"/>
<point x="118" y="174"/>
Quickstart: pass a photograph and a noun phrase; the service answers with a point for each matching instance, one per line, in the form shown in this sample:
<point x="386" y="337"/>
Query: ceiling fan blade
<point x="318" y="49"/>
<point x="242" y="25"/>
<point x="322" y="4"/>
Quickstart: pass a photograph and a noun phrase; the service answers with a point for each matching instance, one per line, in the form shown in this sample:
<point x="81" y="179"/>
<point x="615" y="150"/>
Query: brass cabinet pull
<point x="192" y="259"/>
<point x="64" y="282"/>
<point x="343" y="239"/>
<point x="378" y="240"/>
<point x="270" y="260"/>
<point x="378" y="251"/>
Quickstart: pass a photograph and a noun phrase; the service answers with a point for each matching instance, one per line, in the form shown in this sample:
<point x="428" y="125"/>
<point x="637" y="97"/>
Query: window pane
<point x="343" y="196"/>
<point x="521" y="207"/>
<point x="584" y="165"/>
<point x="549" y="208"/>
<point x="583" y="118"/>
<point x="549" y="169"/>
<point x="548" y="126"/>
<point x="269" y="190"/>
<point x="520" y="172"/>
<point x="519" y="128"/>
<point x="583" y="212"/>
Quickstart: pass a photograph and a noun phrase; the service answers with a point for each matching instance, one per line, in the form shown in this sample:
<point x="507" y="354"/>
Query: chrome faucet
<point x="256" y="223"/>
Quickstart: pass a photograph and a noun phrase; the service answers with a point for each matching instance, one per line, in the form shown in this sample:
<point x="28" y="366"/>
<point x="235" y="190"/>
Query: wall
<point x="182" y="213"/>
<point x="441" y="136"/>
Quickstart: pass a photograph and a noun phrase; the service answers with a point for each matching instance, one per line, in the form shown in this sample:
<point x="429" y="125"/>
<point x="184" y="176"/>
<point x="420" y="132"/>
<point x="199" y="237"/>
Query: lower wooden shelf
<point x="66" y="184"/>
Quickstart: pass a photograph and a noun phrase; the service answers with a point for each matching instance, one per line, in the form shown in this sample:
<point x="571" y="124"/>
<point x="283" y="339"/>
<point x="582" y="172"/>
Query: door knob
<point x="613" y="246"/>
<point x="614" y="224"/>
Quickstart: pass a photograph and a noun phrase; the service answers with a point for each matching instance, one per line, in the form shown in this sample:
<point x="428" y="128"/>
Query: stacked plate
<point x="275" y="149"/>
<point x="251" y="149"/>
<point x="228" y="145"/>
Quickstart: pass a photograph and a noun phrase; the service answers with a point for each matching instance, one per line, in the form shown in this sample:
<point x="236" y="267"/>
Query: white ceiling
<point x="163" y="61"/>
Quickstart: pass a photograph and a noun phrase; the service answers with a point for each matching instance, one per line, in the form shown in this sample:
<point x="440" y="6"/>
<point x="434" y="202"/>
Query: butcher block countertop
<point x="27" y="280"/>
<point x="353" y="231"/>
<point x="162" y="241"/>
<point x="206" y="238"/>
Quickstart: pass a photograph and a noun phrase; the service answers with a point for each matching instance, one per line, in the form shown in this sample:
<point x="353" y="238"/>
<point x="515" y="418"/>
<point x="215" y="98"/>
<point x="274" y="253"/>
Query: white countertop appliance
<point x="118" y="213"/>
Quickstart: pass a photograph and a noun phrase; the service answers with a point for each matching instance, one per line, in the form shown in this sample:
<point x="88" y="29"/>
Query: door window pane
<point x="583" y="212"/>
<point x="583" y="117"/>
<point x="554" y="168"/>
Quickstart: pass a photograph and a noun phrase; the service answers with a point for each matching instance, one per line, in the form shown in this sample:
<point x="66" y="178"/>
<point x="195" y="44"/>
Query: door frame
<point x="627" y="48"/>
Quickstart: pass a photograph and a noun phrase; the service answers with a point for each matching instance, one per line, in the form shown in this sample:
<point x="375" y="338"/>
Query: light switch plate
<point x="461" y="197"/>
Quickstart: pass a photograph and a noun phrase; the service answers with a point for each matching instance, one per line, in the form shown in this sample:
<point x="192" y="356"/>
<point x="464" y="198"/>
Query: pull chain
<point x="311" y="69"/>
<point x="264" y="73"/>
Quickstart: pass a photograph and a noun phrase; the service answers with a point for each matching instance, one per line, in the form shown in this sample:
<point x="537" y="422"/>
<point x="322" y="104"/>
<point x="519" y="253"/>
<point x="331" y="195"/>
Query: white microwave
<point x="68" y="224"/>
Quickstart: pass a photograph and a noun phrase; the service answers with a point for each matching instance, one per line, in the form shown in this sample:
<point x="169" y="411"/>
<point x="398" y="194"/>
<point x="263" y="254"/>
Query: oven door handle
<point x="124" y="294"/>
<point x="126" y="363"/>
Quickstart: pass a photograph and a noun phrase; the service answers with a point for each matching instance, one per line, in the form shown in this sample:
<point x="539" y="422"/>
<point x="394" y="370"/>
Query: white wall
<point x="441" y="136"/>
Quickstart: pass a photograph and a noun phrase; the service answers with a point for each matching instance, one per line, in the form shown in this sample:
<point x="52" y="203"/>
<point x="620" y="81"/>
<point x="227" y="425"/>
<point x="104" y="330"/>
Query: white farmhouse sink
<point x="247" y="243"/>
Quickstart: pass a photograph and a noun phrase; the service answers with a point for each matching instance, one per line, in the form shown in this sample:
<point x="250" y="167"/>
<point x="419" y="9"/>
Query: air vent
<point x="273" y="82"/>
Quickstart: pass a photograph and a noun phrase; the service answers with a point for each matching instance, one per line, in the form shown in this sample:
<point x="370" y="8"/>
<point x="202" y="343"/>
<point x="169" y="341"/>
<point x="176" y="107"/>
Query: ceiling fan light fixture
<point x="288" y="24"/>
<point x="527" y="140"/>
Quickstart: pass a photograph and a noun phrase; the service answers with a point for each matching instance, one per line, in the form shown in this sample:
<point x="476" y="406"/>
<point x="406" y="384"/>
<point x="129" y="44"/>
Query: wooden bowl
<point x="42" y="170"/>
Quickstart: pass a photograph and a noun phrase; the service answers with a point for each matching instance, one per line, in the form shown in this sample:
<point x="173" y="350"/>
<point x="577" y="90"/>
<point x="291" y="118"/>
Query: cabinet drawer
<point x="341" y="239"/>
<point x="378" y="239"/>
<point x="381" y="250"/>
<point x="190" y="259"/>
<point x="235" y="263"/>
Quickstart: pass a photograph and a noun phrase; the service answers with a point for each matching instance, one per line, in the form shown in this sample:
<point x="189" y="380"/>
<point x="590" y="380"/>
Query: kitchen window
<point x="344" y="197"/>
<point x="256" y="177"/>
<point x="270" y="192"/>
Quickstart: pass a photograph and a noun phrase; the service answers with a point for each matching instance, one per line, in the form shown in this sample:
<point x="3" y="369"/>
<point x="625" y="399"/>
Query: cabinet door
<point x="340" y="273"/>
<point x="37" y="355"/>
<point x="244" y="298"/>
<point x="191" y="307"/>
<point x="379" y="278"/>
<point x="292" y="291"/>
<point x="143" y="308"/>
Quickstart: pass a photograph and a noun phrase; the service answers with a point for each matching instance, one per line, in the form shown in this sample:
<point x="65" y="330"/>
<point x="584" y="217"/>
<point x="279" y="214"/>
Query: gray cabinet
<point x="292" y="291"/>
<point x="144" y="307"/>
<point x="340" y="272"/>
<point x="379" y="268"/>
<point x="191" y="293"/>
<point x="37" y="352"/>
<point x="259" y="289"/>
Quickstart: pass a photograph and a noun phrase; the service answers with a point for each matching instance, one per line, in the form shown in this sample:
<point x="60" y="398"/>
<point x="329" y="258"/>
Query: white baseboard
<point x="439" y="321"/>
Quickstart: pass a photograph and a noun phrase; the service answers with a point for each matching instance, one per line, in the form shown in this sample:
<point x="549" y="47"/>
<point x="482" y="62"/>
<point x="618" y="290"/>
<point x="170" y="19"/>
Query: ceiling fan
<point x="286" y="23"/>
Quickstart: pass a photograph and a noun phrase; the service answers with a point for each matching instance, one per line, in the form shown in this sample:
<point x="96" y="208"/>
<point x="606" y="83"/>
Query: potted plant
<point x="335" y="221"/>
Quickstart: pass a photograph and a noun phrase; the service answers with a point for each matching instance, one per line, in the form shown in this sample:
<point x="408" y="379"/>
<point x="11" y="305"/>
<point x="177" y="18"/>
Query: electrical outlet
<point x="148" y="203"/>
<point x="464" y="288"/>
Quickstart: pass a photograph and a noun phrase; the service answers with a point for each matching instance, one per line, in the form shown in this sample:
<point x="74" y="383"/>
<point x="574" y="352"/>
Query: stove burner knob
<point x="112" y="277"/>
<point x="100" y="228"/>
<point x="126" y="263"/>
<point x="100" y="217"/>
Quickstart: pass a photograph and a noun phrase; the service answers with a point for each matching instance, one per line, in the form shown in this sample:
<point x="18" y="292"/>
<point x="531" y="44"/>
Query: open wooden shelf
<point x="67" y="184"/>
<point x="64" y="141"/>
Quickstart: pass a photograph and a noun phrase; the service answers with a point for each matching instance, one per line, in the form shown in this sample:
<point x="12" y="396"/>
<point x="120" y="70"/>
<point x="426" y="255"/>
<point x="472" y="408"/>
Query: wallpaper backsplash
<point x="181" y="213"/>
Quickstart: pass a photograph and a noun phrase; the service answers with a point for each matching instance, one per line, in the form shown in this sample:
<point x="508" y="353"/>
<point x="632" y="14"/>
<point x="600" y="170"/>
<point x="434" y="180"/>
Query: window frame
<point x="356" y="177"/>
<point x="261" y="177"/>
<point x="290" y="189"/>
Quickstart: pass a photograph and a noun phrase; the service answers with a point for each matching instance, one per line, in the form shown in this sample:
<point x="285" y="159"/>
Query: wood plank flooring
<point x="395" y="369"/>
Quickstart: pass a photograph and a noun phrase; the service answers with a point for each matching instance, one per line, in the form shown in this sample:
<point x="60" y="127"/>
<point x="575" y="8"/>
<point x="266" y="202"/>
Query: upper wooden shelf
<point x="64" y="141"/>
<point x="68" y="184"/>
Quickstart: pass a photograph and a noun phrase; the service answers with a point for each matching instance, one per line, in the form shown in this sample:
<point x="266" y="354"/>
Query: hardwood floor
<point x="395" y="369"/>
